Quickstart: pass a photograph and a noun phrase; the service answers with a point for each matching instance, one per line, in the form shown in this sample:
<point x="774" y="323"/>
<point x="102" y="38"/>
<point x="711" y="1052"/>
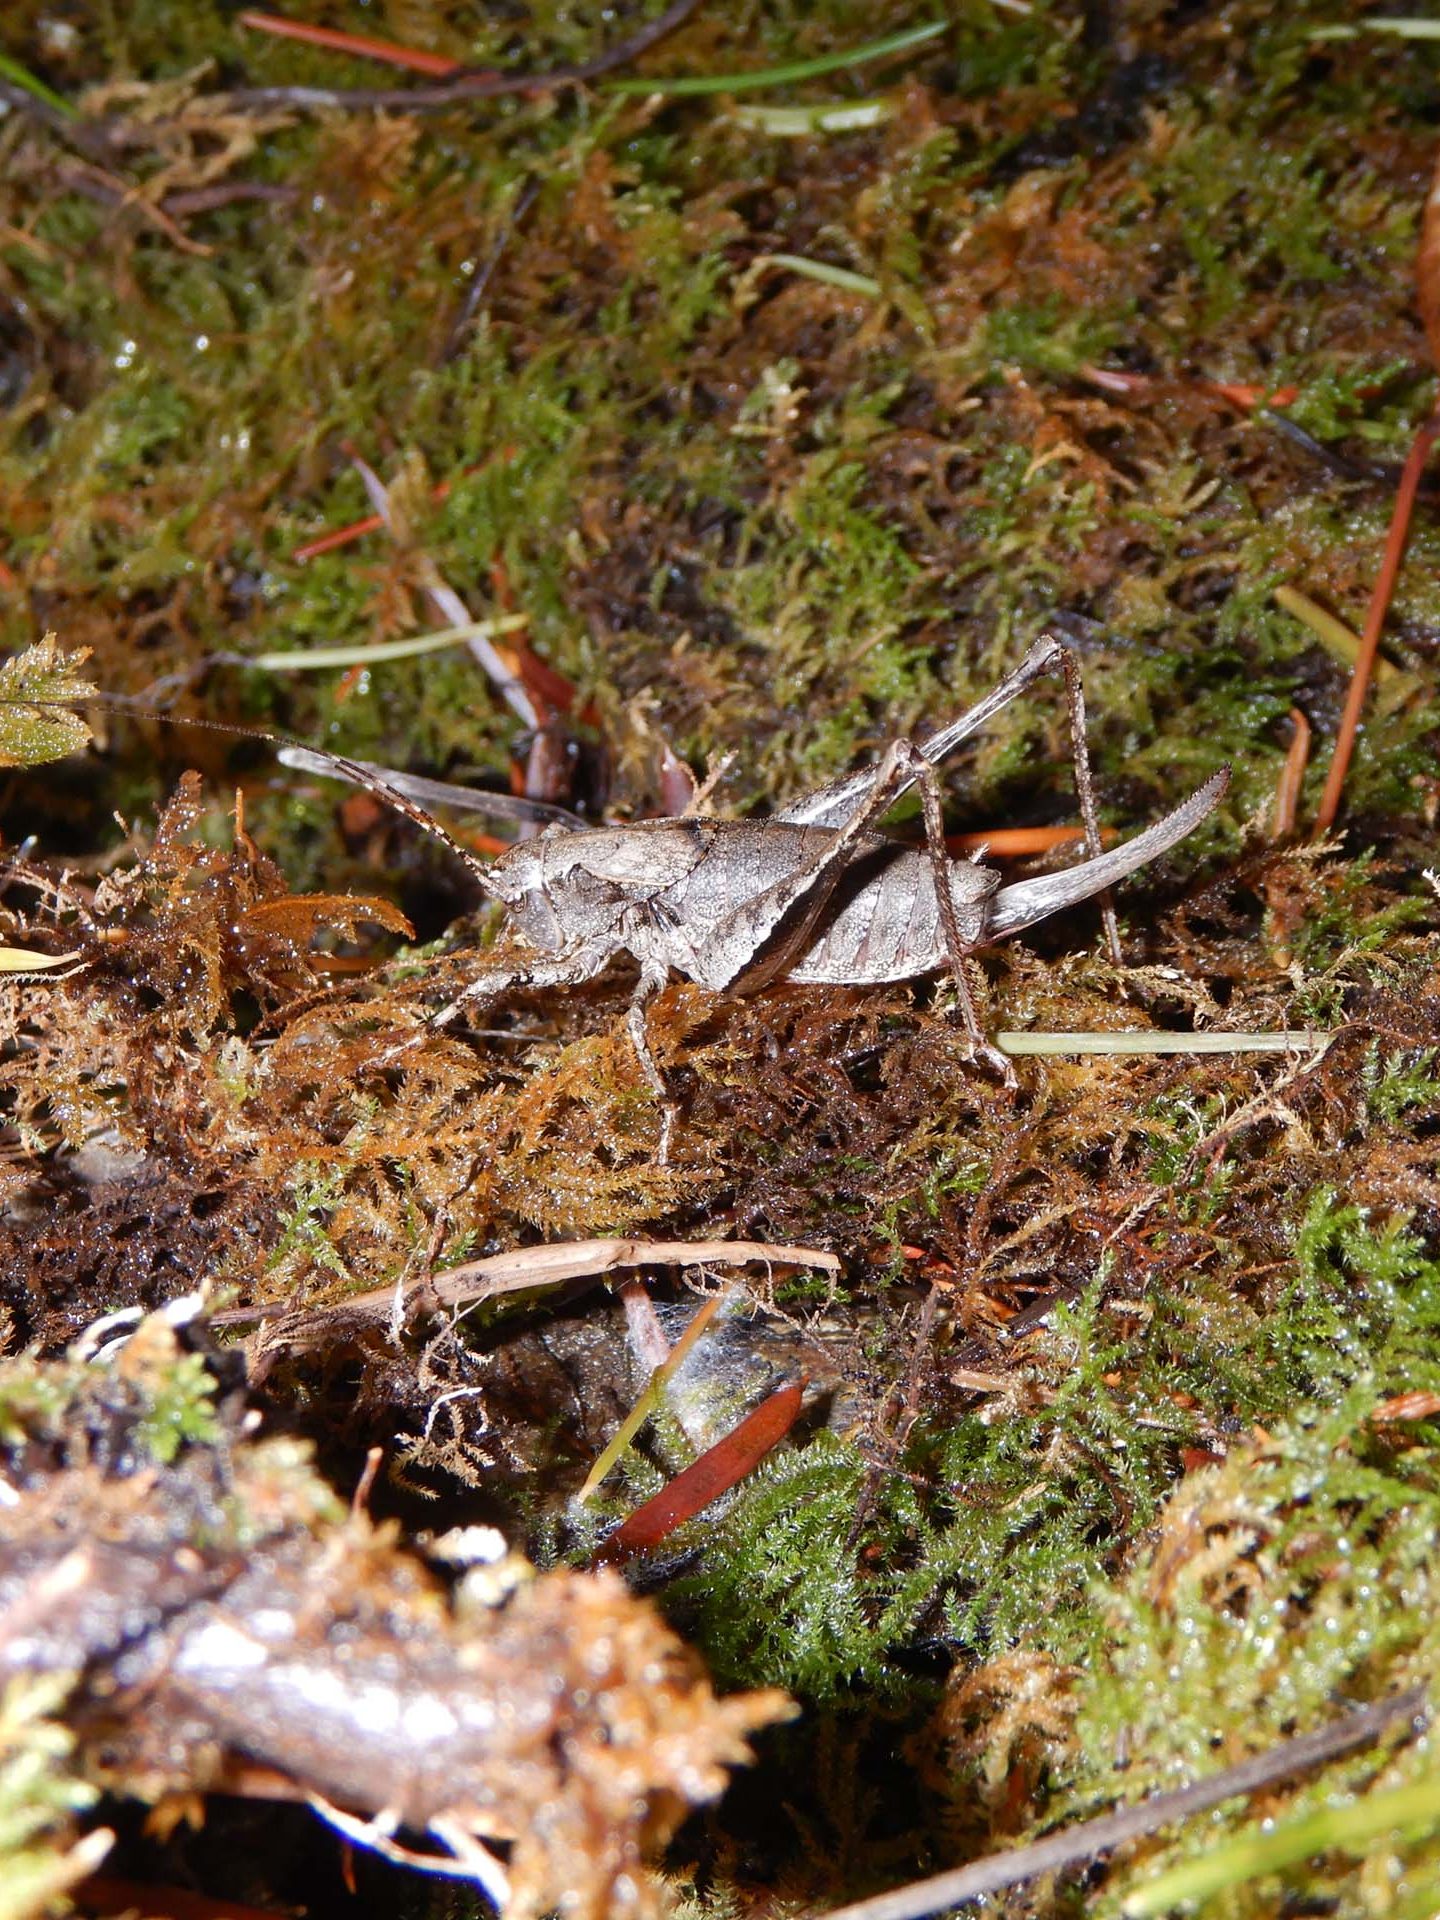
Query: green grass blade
<point x="785" y="76"/>
<point x="830" y="276"/>
<point x="1208" y="1040"/>
<point x="1407" y="1812"/>
<point x="22" y="77"/>
<point x="312" y="659"/>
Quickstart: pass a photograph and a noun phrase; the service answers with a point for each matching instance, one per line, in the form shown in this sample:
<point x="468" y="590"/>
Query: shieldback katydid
<point x="812" y="893"/>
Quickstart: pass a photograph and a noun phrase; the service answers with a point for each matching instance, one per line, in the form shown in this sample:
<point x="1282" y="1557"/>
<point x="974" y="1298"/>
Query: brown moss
<point x="217" y="1614"/>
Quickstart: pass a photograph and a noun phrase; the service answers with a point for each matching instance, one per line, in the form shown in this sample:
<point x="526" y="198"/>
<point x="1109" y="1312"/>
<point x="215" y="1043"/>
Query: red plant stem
<point x="1014" y="842"/>
<point x="1237" y="393"/>
<point x="1374" y="622"/>
<point x="338" y="537"/>
<point x="1246" y="397"/>
<point x="1292" y="774"/>
<point x="717" y="1470"/>
<point x="364" y="48"/>
<point x="356" y="530"/>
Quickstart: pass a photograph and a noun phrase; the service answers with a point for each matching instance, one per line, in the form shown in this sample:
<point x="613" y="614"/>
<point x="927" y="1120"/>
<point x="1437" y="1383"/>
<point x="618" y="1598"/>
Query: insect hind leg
<point x="928" y="781"/>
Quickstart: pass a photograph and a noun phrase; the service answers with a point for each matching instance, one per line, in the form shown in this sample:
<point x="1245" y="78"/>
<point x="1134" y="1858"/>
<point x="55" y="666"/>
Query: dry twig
<point x="465" y="84"/>
<point x="537" y="1267"/>
<point x="1079" y="1845"/>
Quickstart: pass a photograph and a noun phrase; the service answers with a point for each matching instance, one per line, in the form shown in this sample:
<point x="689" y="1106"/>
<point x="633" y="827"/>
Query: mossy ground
<point x="747" y="511"/>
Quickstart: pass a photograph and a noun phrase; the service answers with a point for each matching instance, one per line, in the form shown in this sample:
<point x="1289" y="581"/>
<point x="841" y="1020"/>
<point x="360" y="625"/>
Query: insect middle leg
<point x="653" y="975"/>
<point x="760" y="939"/>
<point x="566" y="969"/>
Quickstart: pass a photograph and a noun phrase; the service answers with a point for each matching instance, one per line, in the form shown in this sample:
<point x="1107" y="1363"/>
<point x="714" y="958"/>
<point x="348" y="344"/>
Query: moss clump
<point x="1298" y="1575"/>
<point x="40" y="1800"/>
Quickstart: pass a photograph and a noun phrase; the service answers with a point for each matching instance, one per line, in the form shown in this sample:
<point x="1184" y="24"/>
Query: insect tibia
<point x="407" y="793"/>
<point x="428" y="793"/>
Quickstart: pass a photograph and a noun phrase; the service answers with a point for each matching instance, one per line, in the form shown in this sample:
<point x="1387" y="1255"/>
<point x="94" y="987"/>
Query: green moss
<point x="39" y="1799"/>
<point x="1298" y="1575"/>
<point x="745" y="511"/>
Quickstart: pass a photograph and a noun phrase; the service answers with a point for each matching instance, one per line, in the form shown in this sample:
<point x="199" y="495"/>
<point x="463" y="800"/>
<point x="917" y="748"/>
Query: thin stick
<point x="551" y="1266"/>
<point x="83" y="135"/>
<point x="466" y="84"/>
<point x="475" y="292"/>
<point x="1292" y="775"/>
<point x="1374" y="622"/>
<point x="1210" y="1040"/>
<point x="1094" y="1837"/>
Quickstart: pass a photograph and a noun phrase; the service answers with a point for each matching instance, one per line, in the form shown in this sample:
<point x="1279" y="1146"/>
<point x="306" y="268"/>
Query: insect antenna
<point x="406" y="793"/>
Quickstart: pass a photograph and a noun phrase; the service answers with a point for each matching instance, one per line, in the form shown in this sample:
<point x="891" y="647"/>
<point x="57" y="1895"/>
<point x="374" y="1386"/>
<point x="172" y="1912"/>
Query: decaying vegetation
<point x="1085" y="1435"/>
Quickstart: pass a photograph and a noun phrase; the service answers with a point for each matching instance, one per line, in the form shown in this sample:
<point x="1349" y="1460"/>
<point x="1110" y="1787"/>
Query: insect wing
<point x="639" y="860"/>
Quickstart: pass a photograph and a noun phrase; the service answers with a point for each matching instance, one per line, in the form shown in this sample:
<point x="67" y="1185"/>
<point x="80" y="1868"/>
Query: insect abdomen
<point x="883" y="922"/>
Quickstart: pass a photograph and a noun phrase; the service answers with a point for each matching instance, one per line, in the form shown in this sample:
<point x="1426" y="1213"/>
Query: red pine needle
<point x="338" y="537"/>
<point x="1287" y="787"/>
<point x="362" y="47"/>
<point x="717" y="1470"/>
<point x="1374" y="622"/>
<point x="1236" y="392"/>
<point x="1014" y="842"/>
<point x="356" y="530"/>
<point x="1247" y="397"/>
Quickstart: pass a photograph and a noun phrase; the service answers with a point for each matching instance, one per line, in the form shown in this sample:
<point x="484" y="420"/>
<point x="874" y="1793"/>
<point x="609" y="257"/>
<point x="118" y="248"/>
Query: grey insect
<point x="813" y="893"/>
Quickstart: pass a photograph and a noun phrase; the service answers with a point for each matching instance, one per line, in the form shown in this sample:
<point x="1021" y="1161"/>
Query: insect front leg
<point x="759" y="939"/>
<point x="564" y="969"/>
<point x="653" y="975"/>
